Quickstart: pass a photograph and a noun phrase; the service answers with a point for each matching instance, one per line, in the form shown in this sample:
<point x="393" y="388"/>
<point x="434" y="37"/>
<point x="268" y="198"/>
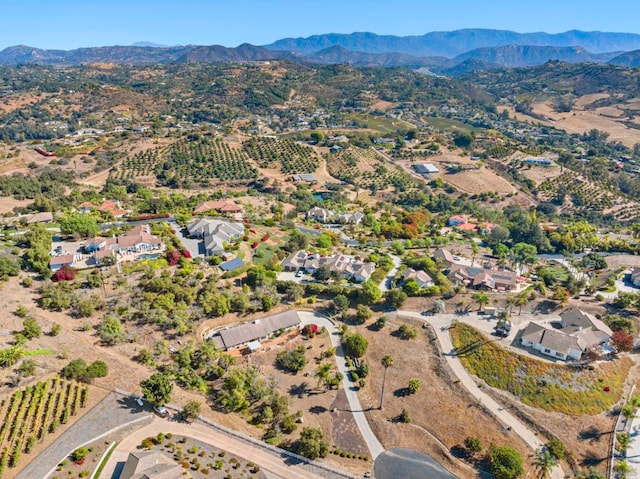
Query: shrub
<point x="557" y="448"/>
<point x="80" y="454"/>
<point x="407" y="332"/>
<point x="404" y="417"/>
<point x="291" y="361"/>
<point x="414" y="385"/>
<point x="66" y="273"/>
<point x="473" y="444"/>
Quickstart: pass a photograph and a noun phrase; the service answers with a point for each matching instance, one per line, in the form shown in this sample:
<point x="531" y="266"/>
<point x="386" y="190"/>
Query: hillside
<point x="628" y="59"/>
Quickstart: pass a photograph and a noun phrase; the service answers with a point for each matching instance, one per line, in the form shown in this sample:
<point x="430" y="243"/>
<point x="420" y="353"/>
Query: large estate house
<point x="151" y="465"/>
<point x="577" y="333"/>
<point x="215" y="233"/>
<point x="349" y="267"/>
<point x="324" y="215"/>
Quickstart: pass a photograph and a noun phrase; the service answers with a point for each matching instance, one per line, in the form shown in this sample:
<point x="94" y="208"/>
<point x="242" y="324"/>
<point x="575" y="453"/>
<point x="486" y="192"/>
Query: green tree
<point x="544" y="462"/>
<point x="505" y="462"/>
<point x="363" y="313"/>
<point x="76" y="223"/>
<point x="354" y="344"/>
<point x="27" y="368"/>
<point x="473" y="444"/>
<point x="395" y="298"/>
<point x="55" y="329"/>
<point x="80" y="454"/>
<point x="407" y="332"/>
<point x="291" y="361"/>
<point x="623" y="468"/>
<point x="340" y="303"/>
<point x="191" y="410"/>
<point x="557" y="448"/>
<point x="97" y="369"/>
<point x="76" y="369"/>
<point x="111" y="331"/>
<point x="157" y="388"/>
<point x="311" y="443"/>
<point x="463" y="139"/>
<point x="369" y="293"/>
<point x="520" y="300"/>
<point x="623" y="441"/>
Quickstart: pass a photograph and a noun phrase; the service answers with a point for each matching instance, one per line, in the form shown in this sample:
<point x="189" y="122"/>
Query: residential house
<point x="349" y="267"/>
<point x="481" y="278"/>
<point x="137" y="240"/>
<point x="539" y="161"/>
<point x="221" y="206"/>
<point x="419" y="276"/>
<point x="467" y="227"/>
<point x="324" y="215"/>
<point x="457" y="220"/>
<point x="215" y="233"/>
<point x="579" y="332"/>
<point x="304" y="177"/>
<point x="107" y="206"/>
<point x="320" y="214"/>
<point x="43" y="217"/>
<point x="59" y="261"/>
<point x="445" y="257"/>
<point x="259" y="330"/>
<point x="151" y="465"/>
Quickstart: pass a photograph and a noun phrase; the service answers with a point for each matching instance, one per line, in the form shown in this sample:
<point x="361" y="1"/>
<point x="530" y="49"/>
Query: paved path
<point x="112" y="413"/>
<point x="440" y="324"/>
<point x="370" y="438"/>
<point x="279" y="466"/>
<point x="633" y="453"/>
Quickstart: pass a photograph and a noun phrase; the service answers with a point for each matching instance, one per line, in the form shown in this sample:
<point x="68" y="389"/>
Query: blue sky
<point x="68" y="24"/>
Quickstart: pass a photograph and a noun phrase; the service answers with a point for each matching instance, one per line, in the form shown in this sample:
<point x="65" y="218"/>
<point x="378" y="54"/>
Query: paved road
<point x="633" y="453"/>
<point x="110" y="414"/>
<point x="279" y="465"/>
<point x="408" y="464"/>
<point x="440" y="324"/>
<point x="388" y="279"/>
<point x="370" y="438"/>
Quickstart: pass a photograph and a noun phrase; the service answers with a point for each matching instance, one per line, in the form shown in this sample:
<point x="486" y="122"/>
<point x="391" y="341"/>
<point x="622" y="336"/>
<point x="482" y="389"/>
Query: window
<point x="559" y="355"/>
<point x="547" y="350"/>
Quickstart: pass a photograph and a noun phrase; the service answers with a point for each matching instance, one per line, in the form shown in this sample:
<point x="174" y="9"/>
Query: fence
<point x="617" y="428"/>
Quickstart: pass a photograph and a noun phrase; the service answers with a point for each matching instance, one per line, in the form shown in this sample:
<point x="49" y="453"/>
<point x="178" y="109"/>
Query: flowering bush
<point x="66" y="273"/>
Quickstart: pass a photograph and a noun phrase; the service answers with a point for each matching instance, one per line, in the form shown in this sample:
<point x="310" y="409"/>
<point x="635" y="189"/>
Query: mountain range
<point x="445" y="53"/>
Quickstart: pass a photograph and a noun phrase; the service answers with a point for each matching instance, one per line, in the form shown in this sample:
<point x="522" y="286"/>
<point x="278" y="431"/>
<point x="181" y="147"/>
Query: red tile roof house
<point x="221" y="206"/>
<point x="137" y="240"/>
<point x="108" y="206"/>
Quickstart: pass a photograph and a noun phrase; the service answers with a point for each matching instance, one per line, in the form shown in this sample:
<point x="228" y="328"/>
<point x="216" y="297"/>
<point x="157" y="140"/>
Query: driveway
<point x="369" y="437"/>
<point x="388" y="279"/>
<point x="441" y="324"/>
<point x="193" y="245"/>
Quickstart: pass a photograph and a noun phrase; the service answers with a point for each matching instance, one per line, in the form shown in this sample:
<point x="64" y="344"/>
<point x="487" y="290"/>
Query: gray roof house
<point x="151" y="465"/>
<point x="257" y="330"/>
<point x="579" y="332"/>
<point x="215" y="233"/>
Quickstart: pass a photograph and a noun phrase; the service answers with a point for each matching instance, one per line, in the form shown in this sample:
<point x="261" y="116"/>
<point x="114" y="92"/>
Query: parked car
<point x="161" y="410"/>
<point x="299" y="273"/>
<point x="138" y="399"/>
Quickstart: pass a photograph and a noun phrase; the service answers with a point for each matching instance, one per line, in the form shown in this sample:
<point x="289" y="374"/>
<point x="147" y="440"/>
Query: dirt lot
<point x="439" y="411"/>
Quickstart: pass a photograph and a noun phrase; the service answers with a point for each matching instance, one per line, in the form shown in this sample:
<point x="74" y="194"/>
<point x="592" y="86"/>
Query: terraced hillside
<point x="364" y="168"/>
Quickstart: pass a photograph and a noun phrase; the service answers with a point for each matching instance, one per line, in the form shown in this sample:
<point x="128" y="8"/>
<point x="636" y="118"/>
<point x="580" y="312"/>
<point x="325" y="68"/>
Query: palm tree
<point x="323" y="374"/>
<point x="387" y="362"/>
<point x="482" y="300"/>
<point x="520" y="300"/>
<point x="544" y="462"/>
<point x="440" y="306"/>
<point x="623" y="441"/>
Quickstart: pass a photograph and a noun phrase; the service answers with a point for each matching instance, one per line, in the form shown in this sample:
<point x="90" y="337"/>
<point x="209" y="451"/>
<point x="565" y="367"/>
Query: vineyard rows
<point x="31" y="413"/>
<point x="364" y="168"/>
<point x="283" y="154"/>
<point x="585" y="195"/>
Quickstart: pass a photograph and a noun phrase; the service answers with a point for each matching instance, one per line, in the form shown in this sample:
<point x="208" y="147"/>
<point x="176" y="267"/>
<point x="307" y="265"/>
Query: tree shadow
<point x="317" y="409"/>
<point x="545" y="307"/>
<point x="591" y="459"/>
<point x="299" y="390"/>
<point x="401" y="392"/>
<point x="591" y="434"/>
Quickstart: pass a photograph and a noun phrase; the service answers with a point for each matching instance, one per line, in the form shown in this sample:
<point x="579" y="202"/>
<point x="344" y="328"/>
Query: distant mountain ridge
<point x="457" y="42"/>
<point x="369" y="50"/>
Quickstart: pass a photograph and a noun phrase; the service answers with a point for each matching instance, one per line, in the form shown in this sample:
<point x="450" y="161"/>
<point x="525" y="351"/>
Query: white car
<point x="161" y="410"/>
<point x="299" y="273"/>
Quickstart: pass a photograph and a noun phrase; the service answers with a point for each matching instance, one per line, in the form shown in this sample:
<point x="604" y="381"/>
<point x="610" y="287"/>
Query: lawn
<point x="557" y="272"/>
<point x="264" y="253"/>
<point x="553" y="387"/>
<point x="446" y="124"/>
<point x="381" y="124"/>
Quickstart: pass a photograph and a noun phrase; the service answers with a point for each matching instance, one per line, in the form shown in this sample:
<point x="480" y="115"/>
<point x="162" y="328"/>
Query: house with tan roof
<point x="215" y="233"/>
<point x="349" y="267"/>
<point x="137" y="240"/>
<point x="107" y="206"/>
<point x="43" y="217"/>
<point x="486" y="279"/>
<point x="221" y="206"/>
<point x="419" y="276"/>
<point x="578" y="332"/>
<point x="151" y="465"/>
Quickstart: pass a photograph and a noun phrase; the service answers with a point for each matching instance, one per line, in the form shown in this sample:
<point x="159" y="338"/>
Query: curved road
<point x="441" y="328"/>
<point x="308" y="317"/>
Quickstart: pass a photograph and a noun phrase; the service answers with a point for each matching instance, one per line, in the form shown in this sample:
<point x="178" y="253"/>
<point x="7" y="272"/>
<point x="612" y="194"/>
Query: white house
<point x="216" y="233"/>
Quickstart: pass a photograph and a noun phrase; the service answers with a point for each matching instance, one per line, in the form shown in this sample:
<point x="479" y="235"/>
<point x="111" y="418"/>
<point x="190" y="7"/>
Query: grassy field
<point x="556" y="271"/>
<point x="553" y="387"/>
